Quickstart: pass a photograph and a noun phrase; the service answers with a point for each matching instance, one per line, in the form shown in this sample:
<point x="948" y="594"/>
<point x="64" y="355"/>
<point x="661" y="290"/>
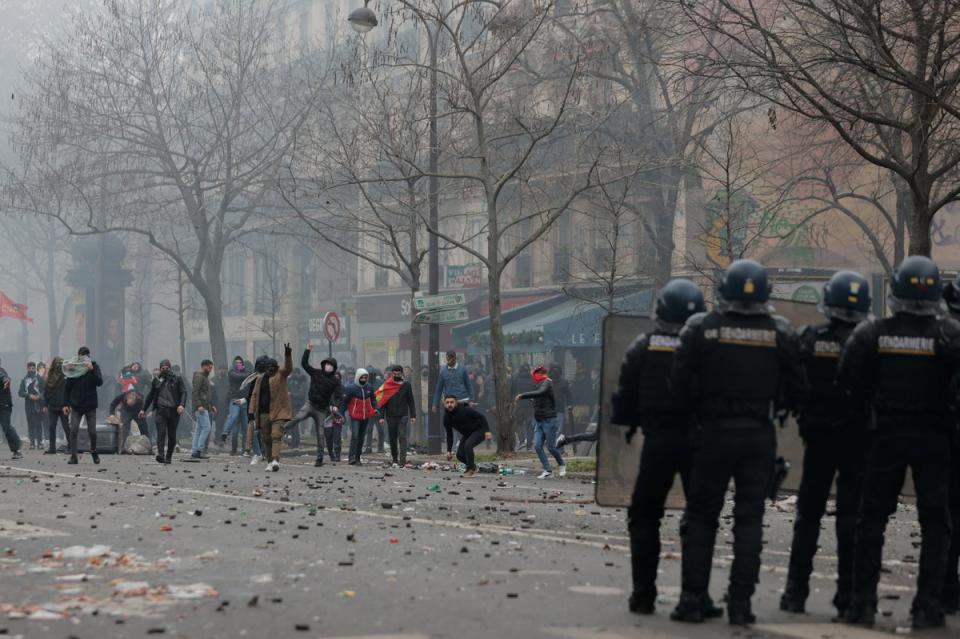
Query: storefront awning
<point x="556" y="322"/>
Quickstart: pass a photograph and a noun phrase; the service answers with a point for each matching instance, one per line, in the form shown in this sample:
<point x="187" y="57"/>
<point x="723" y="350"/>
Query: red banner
<point x="9" y="308"/>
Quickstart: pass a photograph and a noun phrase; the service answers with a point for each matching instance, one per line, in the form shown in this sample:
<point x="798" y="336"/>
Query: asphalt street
<point x="220" y="548"/>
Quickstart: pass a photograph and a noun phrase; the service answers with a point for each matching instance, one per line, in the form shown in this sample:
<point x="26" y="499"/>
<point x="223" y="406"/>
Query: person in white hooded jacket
<point x="359" y="402"/>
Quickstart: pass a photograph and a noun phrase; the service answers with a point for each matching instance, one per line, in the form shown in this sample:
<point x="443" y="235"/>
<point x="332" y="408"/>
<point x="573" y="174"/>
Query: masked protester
<point x="545" y="425"/>
<point x="130" y="404"/>
<point x="361" y="404"/>
<point x="323" y="399"/>
<point x="168" y="396"/>
<point x="395" y="399"/>
<point x="82" y="403"/>
<point x="237" y="398"/>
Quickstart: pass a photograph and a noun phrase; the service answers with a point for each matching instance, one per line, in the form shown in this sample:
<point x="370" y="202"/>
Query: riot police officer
<point x="644" y="399"/>
<point x="951" y="583"/>
<point x="906" y="365"/>
<point x="834" y="432"/>
<point x="737" y="366"/>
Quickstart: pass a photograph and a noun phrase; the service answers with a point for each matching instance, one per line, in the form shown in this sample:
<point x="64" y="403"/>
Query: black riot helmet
<point x="951" y="294"/>
<point x="678" y="300"/>
<point x="915" y="287"/>
<point x="846" y="297"/>
<point x="916" y="278"/>
<point x="745" y="281"/>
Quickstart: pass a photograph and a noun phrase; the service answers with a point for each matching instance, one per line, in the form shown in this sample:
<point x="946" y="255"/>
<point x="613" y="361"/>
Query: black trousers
<point x="334" y="437"/>
<point x="34" y="422"/>
<point x="824" y="457"/>
<point x="357" y="435"/>
<point x="951" y="582"/>
<point x="398" y="432"/>
<point x="90" y="417"/>
<point x="927" y="454"/>
<point x="747" y="456"/>
<point x="53" y="417"/>
<point x="465" y="449"/>
<point x="379" y="427"/>
<point x="316" y="415"/>
<point x="167" y="421"/>
<point x="665" y="455"/>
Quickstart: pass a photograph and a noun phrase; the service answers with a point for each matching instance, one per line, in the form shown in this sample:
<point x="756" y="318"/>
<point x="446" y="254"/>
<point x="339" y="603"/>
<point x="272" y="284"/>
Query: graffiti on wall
<point x="736" y="221"/>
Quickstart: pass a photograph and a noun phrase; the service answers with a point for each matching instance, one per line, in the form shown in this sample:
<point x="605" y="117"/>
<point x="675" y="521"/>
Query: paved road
<point x="222" y="549"/>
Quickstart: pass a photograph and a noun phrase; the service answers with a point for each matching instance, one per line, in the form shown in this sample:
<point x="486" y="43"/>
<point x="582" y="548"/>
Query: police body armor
<point x="740" y="359"/>
<point x="657" y="404"/>
<point x="912" y="375"/>
<point x="826" y="407"/>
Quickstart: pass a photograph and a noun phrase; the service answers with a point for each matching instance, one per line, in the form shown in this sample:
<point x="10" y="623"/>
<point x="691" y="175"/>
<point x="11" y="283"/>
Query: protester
<point x="471" y="425"/>
<point x="169" y="395"/>
<point x="54" y="402"/>
<point x="204" y="408"/>
<point x="453" y="380"/>
<point x="523" y="417"/>
<point x="270" y="404"/>
<point x="253" y="447"/>
<point x="6" y="409"/>
<point x="564" y="397"/>
<point x="323" y="397"/>
<point x="82" y="401"/>
<point x="237" y="399"/>
<point x="358" y="402"/>
<point x="131" y="405"/>
<point x="31" y="390"/>
<point x="395" y="399"/>
<point x="545" y="420"/>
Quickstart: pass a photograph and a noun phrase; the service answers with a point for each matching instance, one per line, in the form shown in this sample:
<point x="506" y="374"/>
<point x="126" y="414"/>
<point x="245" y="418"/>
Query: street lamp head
<point x="363" y="19"/>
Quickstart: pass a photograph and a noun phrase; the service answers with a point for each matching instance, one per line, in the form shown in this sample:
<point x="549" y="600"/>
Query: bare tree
<point x="883" y="74"/>
<point x="169" y="120"/>
<point x="357" y="185"/>
<point x="507" y="106"/>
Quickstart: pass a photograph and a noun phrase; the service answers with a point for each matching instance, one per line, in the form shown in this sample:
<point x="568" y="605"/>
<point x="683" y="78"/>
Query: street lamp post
<point x="364" y="20"/>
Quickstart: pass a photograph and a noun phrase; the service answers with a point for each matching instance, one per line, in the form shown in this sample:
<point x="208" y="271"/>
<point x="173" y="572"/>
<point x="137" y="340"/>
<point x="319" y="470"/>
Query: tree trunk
<point x="504" y="403"/>
<point x="904" y="205"/>
<point x="180" y="314"/>
<point x="919" y="224"/>
<point x="664" y="243"/>
<point x="218" y="339"/>
<point x="415" y="359"/>
<point x="50" y="290"/>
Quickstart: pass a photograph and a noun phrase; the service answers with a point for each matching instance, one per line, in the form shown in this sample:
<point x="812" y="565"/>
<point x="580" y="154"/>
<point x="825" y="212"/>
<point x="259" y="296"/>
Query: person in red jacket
<point x="361" y="404"/>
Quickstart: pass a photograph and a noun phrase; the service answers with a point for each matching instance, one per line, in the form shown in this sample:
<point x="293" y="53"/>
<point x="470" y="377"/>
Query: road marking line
<point x="14" y="530"/>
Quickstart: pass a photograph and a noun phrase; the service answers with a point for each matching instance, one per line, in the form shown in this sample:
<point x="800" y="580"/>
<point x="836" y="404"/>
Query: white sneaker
<point x="268" y="467"/>
<point x="545" y="474"/>
<point x="275" y="466"/>
<point x="255" y="460"/>
<point x="563" y="470"/>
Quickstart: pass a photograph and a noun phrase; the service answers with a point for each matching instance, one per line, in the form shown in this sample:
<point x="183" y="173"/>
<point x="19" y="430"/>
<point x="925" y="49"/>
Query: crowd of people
<point x="872" y="396"/>
<point x="266" y="404"/>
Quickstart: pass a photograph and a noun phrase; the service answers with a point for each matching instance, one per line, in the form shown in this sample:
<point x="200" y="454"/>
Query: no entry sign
<point x="331" y="326"/>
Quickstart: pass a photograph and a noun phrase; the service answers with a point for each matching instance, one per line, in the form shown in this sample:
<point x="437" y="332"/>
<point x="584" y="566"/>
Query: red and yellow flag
<point x="388" y="390"/>
<point x="9" y="308"/>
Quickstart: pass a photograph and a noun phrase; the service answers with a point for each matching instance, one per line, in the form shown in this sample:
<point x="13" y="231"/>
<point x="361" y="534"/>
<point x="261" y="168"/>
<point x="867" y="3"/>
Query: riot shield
<point x="618" y="461"/>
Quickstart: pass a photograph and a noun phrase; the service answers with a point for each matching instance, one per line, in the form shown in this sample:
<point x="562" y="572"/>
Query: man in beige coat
<point x="270" y="403"/>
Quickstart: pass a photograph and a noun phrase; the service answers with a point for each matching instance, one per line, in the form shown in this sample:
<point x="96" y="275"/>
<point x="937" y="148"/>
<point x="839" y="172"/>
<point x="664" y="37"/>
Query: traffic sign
<point x="437" y="302"/>
<point x="331" y="326"/>
<point x="444" y="316"/>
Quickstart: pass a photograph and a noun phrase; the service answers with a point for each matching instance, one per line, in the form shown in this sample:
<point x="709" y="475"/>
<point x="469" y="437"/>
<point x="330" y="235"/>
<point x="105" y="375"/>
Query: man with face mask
<point x="31" y="391"/>
<point x="82" y="403"/>
<point x="360" y="403"/>
<point x="395" y="399"/>
<point x="323" y="398"/>
<point x="168" y="395"/>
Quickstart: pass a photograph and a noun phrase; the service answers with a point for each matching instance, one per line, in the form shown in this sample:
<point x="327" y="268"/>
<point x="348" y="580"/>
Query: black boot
<point x="927" y="613"/>
<point x="689" y="609"/>
<point x="950" y="597"/>
<point x="862" y="612"/>
<point x="841" y="601"/>
<point x="73" y="460"/>
<point x="642" y="604"/>
<point x="739" y="612"/>
<point x="794" y="597"/>
<point x="319" y="462"/>
<point x="95" y="457"/>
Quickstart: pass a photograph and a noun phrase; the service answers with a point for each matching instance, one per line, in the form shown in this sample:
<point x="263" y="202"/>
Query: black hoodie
<point x="325" y="388"/>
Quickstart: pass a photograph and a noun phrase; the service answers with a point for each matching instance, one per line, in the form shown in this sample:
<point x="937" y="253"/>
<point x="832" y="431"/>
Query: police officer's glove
<point x="630" y="433"/>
